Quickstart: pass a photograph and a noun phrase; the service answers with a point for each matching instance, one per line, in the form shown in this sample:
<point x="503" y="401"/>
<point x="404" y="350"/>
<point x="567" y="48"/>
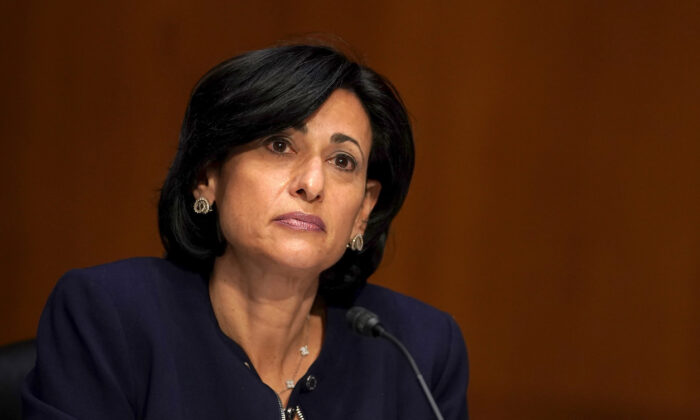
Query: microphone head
<point x="363" y="321"/>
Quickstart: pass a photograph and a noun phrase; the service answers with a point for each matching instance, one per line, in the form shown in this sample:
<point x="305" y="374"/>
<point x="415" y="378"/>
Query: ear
<point x="372" y="190"/>
<point x="206" y="183"/>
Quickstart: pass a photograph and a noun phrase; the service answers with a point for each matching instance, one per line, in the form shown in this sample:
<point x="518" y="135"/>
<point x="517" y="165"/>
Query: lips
<point x="302" y="221"/>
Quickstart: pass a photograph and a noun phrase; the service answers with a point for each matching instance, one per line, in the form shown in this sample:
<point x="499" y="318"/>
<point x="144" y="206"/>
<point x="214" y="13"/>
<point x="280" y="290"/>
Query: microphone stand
<point x="385" y="334"/>
<point x="364" y="322"/>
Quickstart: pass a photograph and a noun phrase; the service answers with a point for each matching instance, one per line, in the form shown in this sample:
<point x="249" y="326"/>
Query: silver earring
<point x="202" y="206"/>
<point x="357" y="243"/>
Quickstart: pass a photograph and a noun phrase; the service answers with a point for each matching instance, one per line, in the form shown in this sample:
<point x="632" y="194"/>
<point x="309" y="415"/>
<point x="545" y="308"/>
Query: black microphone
<point x="365" y="322"/>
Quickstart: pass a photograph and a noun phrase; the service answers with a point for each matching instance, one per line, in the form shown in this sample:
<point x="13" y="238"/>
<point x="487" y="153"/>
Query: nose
<point x="309" y="180"/>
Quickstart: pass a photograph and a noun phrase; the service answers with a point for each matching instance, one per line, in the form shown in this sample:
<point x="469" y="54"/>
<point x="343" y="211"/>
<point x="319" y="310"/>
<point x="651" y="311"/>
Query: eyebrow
<point x="341" y="138"/>
<point x="335" y="138"/>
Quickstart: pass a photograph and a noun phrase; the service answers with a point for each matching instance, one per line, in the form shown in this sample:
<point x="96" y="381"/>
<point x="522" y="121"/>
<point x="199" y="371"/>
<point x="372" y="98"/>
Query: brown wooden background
<point x="555" y="209"/>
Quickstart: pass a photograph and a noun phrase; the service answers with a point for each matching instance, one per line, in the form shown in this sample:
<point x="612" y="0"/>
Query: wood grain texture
<point x="555" y="208"/>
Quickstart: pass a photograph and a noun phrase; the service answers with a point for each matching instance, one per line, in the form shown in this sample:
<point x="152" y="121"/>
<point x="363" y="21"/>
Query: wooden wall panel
<point x="555" y="209"/>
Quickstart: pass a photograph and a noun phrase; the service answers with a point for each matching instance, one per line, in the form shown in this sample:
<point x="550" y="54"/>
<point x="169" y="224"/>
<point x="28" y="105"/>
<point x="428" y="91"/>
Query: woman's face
<point x="295" y="199"/>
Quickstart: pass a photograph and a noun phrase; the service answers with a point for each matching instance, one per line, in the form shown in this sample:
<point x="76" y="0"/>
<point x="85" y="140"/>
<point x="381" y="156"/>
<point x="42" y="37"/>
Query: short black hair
<point x="260" y="93"/>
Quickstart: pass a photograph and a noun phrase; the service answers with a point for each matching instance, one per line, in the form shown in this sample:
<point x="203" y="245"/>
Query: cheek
<point x="347" y="209"/>
<point x="247" y="199"/>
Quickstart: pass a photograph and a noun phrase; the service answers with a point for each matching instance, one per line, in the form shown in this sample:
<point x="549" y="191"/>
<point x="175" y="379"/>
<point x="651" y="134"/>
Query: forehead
<point x="341" y="115"/>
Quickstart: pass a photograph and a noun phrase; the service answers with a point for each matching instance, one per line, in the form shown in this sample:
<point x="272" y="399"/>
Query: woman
<point x="292" y="163"/>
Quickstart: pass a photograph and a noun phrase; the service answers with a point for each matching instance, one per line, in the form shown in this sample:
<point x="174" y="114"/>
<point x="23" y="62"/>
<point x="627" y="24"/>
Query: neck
<point x="267" y="313"/>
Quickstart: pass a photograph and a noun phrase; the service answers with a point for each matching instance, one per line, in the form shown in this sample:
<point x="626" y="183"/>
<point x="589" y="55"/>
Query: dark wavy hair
<point x="260" y="93"/>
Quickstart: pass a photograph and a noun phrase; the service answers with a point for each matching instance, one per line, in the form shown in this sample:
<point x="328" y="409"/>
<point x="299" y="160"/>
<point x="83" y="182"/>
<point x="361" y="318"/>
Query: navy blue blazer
<point x="138" y="339"/>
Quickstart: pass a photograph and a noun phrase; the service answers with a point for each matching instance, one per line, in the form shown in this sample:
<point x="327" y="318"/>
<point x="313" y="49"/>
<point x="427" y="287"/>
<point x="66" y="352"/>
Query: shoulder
<point x="130" y="300"/>
<point x="132" y="268"/>
<point x="125" y="282"/>
<point x="125" y="274"/>
<point x="95" y="332"/>
<point x="432" y="337"/>
<point x="426" y="330"/>
<point x="402" y="312"/>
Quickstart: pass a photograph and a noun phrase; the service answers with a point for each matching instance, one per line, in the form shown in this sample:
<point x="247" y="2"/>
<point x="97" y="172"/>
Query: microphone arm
<point x="364" y="322"/>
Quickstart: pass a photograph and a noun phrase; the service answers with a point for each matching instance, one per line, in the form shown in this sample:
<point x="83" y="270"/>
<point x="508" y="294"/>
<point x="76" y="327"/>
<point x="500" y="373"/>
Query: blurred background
<point x="555" y="208"/>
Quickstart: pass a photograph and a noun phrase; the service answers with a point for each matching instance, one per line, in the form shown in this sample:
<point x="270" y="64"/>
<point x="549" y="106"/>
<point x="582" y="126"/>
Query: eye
<point x="344" y="162"/>
<point x="278" y="145"/>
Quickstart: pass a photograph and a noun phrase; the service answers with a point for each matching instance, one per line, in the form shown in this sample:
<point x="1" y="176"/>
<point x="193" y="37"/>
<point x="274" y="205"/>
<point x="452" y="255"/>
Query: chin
<point x="306" y="258"/>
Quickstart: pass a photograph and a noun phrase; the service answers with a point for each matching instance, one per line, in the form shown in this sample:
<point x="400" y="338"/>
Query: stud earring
<point x="201" y="206"/>
<point x="357" y="243"/>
